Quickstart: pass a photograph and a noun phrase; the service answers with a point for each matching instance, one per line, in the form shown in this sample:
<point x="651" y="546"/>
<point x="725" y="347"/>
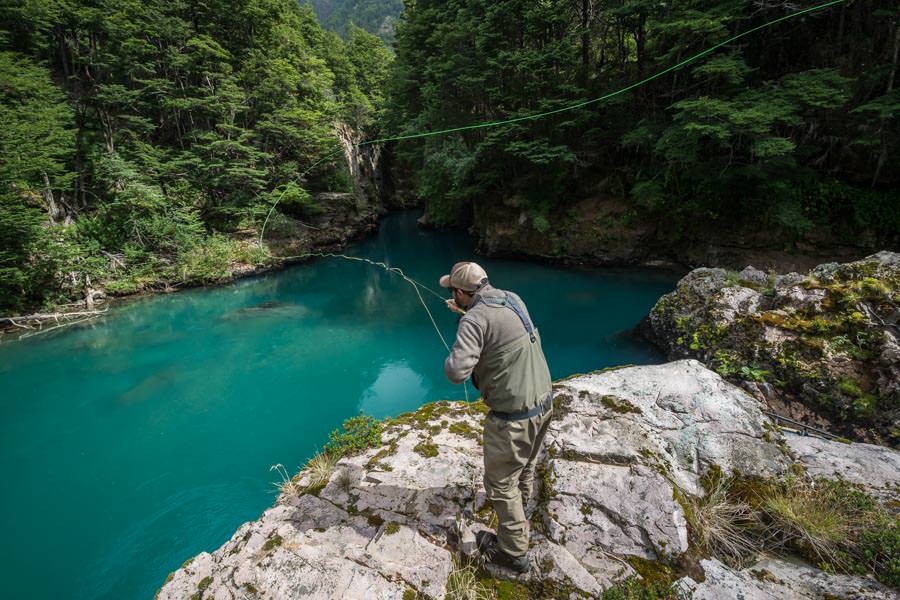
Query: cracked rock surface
<point x="391" y="522"/>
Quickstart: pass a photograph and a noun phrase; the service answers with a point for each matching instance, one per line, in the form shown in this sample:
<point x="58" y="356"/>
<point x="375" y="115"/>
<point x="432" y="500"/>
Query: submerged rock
<point x="624" y="447"/>
<point x="822" y="347"/>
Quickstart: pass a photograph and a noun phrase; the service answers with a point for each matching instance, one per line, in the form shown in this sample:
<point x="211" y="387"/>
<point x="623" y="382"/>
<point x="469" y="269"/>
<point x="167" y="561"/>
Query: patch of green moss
<point x="391" y="528"/>
<point x="477" y="408"/>
<point x="586" y="509"/>
<point x="389" y="450"/>
<point x="618" y="405"/>
<point x="204" y="583"/>
<point x="545" y="482"/>
<point x="375" y="520"/>
<point x="426" y="448"/>
<point x="272" y="543"/>
<point x="510" y="590"/>
<point x="249" y="587"/>
<point x="464" y="429"/>
<point x="410" y="594"/>
<point x="660" y="463"/>
<point x="653" y="572"/>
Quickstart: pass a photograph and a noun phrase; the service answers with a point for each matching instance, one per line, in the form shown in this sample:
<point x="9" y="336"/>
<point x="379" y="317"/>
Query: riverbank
<point x="341" y="221"/>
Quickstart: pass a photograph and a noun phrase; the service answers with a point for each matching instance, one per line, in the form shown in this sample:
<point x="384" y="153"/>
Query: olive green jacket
<point x="494" y="348"/>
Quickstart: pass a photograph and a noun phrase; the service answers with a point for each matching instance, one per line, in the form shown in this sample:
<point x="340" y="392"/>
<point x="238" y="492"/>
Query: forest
<point x="141" y="137"/>
<point x="145" y="141"/>
<point x="797" y="125"/>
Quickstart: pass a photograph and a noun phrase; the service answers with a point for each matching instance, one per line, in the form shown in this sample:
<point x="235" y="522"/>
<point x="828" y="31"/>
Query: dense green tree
<point x="37" y="140"/>
<point x="378" y="17"/>
<point x="796" y="124"/>
<point x="141" y="131"/>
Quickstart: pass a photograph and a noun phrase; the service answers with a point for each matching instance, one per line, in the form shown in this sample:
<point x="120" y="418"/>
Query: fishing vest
<point x="513" y="377"/>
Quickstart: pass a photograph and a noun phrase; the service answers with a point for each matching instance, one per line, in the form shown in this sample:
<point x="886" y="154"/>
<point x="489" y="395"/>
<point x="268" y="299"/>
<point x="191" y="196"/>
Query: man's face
<point x="461" y="298"/>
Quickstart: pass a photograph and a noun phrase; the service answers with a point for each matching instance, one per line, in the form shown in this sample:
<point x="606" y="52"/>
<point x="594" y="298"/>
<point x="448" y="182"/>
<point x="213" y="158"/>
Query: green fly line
<point x="533" y="117"/>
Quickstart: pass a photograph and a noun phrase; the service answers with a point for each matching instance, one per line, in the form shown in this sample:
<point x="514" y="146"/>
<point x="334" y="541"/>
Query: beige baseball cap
<point x="466" y="276"/>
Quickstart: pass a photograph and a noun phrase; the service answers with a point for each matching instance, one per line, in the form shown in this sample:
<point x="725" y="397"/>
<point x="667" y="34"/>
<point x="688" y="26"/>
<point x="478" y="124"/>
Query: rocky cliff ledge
<point x="606" y="230"/>
<point x="821" y="347"/>
<point x="629" y="482"/>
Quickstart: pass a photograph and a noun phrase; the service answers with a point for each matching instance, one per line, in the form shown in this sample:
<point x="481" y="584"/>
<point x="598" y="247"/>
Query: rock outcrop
<point x="625" y="446"/>
<point x="823" y="347"/>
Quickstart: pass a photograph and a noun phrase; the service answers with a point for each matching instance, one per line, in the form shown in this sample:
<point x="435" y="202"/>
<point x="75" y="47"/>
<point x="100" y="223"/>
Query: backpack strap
<point x="511" y="303"/>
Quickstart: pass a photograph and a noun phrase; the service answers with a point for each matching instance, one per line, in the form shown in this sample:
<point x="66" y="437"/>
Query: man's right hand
<point x="454" y="307"/>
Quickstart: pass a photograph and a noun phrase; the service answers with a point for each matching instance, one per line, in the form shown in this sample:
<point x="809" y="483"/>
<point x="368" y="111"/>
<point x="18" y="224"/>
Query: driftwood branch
<point x="35" y="323"/>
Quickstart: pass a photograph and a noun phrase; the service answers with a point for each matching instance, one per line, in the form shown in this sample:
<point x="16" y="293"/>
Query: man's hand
<point x="454" y="307"/>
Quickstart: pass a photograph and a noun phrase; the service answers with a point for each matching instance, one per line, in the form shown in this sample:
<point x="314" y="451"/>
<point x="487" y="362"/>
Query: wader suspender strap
<point x="514" y="306"/>
<point x="517" y="308"/>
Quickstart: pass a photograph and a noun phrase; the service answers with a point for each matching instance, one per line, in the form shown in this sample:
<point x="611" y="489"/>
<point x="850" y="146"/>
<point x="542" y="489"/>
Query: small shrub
<point x="540" y="223"/>
<point x="358" y="434"/>
<point x="878" y="549"/>
<point x="634" y="588"/>
<point x="426" y="448"/>
<point x="752" y="373"/>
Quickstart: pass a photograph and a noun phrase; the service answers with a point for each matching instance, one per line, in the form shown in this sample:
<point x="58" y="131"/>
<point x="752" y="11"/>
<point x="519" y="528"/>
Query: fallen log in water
<point x="36" y="323"/>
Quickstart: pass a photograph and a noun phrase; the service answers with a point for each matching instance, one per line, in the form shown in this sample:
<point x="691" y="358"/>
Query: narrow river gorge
<point x="136" y="442"/>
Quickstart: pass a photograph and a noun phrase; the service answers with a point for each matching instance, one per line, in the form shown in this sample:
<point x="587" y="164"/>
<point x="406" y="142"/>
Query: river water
<point x="130" y="445"/>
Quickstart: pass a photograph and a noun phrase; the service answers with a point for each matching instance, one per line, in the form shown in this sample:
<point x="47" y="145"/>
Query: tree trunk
<point x="882" y="156"/>
<point x="585" y="36"/>
<point x="54" y="211"/>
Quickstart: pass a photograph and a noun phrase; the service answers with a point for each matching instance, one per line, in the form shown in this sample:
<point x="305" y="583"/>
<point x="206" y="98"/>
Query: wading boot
<point x="492" y="553"/>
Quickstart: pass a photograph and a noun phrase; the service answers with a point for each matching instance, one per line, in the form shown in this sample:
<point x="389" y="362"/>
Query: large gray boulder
<point x="395" y="521"/>
<point x="823" y="347"/>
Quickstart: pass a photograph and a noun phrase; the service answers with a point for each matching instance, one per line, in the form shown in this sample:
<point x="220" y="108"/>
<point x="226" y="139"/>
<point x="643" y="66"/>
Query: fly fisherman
<point x="499" y="347"/>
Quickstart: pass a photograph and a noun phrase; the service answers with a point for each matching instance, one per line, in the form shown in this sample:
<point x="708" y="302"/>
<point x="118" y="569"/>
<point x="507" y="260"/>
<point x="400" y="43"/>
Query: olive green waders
<point x="510" y="452"/>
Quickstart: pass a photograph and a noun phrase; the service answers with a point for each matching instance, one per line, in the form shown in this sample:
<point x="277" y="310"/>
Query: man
<point x="499" y="347"/>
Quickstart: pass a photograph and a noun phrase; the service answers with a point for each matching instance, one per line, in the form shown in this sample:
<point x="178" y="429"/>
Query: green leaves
<point x="188" y="114"/>
<point x="36" y="145"/>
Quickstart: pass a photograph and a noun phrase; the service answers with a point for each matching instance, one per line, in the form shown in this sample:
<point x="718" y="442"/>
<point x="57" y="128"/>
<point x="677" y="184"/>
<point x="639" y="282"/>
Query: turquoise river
<point x="132" y="444"/>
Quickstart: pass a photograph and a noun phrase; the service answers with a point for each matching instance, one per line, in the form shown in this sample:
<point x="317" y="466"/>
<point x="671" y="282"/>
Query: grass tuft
<point x="288" y="486"/>
<point x="319" y="468"/>
<point x="721" y="524"/>
<point x="463" y="583"/>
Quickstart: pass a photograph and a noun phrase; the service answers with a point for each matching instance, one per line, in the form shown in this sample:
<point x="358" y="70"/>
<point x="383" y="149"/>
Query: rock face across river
<point x="624" y="448"/>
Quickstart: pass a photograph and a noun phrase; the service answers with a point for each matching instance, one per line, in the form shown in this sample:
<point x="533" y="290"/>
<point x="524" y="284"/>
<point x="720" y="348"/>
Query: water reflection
<point x="397" y="385"/>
